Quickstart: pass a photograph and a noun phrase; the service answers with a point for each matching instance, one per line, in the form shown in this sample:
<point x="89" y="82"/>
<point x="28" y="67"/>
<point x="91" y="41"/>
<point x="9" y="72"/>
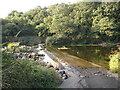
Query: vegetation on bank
<point x="60" y="24"/>
<point x="66" y="24"/>
<point x="10" y="45"/>
<point x="26" y="74"/>
<point x="24" y="40"/>
<point x="115" y="61"/>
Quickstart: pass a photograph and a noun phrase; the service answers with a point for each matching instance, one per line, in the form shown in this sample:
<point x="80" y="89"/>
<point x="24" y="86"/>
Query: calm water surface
<point x="98" y="55"/>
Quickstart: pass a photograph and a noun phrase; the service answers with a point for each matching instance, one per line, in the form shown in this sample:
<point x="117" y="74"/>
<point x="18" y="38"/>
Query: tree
<point x="87" y="22"/>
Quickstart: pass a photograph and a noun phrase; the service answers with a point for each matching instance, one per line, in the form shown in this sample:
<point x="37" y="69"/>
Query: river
<point x="95" y="54"/>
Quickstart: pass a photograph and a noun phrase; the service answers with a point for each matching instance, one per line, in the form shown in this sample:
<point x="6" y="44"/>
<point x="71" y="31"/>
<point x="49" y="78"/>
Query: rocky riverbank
<point x="72" y="76"/>
<point x="79" y="77"/>
<point x="86" y="77"/>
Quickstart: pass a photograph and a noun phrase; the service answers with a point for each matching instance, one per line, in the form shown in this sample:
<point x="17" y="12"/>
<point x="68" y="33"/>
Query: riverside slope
<point x="85" y="77"/>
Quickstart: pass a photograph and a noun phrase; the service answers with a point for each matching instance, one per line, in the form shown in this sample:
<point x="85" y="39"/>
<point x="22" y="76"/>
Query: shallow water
<point x="96" y="54"/>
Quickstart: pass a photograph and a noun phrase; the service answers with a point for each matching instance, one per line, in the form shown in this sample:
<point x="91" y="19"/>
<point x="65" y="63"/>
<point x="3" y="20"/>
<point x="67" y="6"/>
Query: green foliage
<point x="114" y="61"/>
<point x="29" y="40"/>
<point x="24" y="40"/>
<point x="10" y="45"/>
<point x="105" y="21"/>
<point x="85" y="22"/>
<point x="57" y="41"/>
<point x="7" y="59"/>
<point x="27" y="74"/>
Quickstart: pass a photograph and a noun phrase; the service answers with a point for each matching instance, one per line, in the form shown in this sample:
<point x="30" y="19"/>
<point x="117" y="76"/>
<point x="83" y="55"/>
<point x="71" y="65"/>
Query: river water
<point x="96" y="54"/>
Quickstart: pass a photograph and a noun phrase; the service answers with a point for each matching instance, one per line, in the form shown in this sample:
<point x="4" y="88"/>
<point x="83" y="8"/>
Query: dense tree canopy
<point x="86" y="22"/>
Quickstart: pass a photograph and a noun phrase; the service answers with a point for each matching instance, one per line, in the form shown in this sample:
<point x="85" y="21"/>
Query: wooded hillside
<point x="85" y="22"/>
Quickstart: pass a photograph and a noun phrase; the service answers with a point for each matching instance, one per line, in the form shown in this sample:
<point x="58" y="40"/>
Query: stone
<point x="41" y="55"/>
<point x="49" y="66"/>
<point x="29" y="56"/>
<point x="81" y="76"/>
<point x="43" y="63"/>
<point x="56" y="68"/>
<point x="98" y="72"/>
<point x="95" y="74"/>
<point x="65" y="76"/>
<point x="61" y="72"/>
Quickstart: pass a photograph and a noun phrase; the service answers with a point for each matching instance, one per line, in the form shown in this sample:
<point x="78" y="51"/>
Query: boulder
<point x="61" y="72"/>
<point x="65" y="76"/>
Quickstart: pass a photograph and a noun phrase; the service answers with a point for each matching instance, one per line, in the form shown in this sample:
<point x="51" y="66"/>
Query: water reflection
<point x="98" y="55"/>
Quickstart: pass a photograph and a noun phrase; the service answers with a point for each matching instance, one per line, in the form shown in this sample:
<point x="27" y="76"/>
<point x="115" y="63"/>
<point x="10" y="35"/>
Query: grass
<point x="27" y="74"/>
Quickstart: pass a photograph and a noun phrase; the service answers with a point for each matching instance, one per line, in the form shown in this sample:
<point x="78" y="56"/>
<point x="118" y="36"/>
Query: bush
<point x="25" y="40"/>
<point x="11" y="45"/>
<point x="29" y="40"/>
<point x="114" y="61"/>
<point x="7" y="59"/>
<point x="28" y="74"/>
<point x="54" y="40"/>
<point x="50" y="40"/>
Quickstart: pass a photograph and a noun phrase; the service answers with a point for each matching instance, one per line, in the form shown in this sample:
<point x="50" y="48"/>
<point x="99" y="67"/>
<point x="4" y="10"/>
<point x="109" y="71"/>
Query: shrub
<point x="28" y="74"/>
<point x="54" y="40"/>
<point x="113" y="63"/>
<point x="10" y="45"/>
<point x="50" y="40"/>
<point x="29" y="40"/>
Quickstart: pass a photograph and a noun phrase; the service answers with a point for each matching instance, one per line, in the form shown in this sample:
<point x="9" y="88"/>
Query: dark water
<point x="98" y="55"/>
